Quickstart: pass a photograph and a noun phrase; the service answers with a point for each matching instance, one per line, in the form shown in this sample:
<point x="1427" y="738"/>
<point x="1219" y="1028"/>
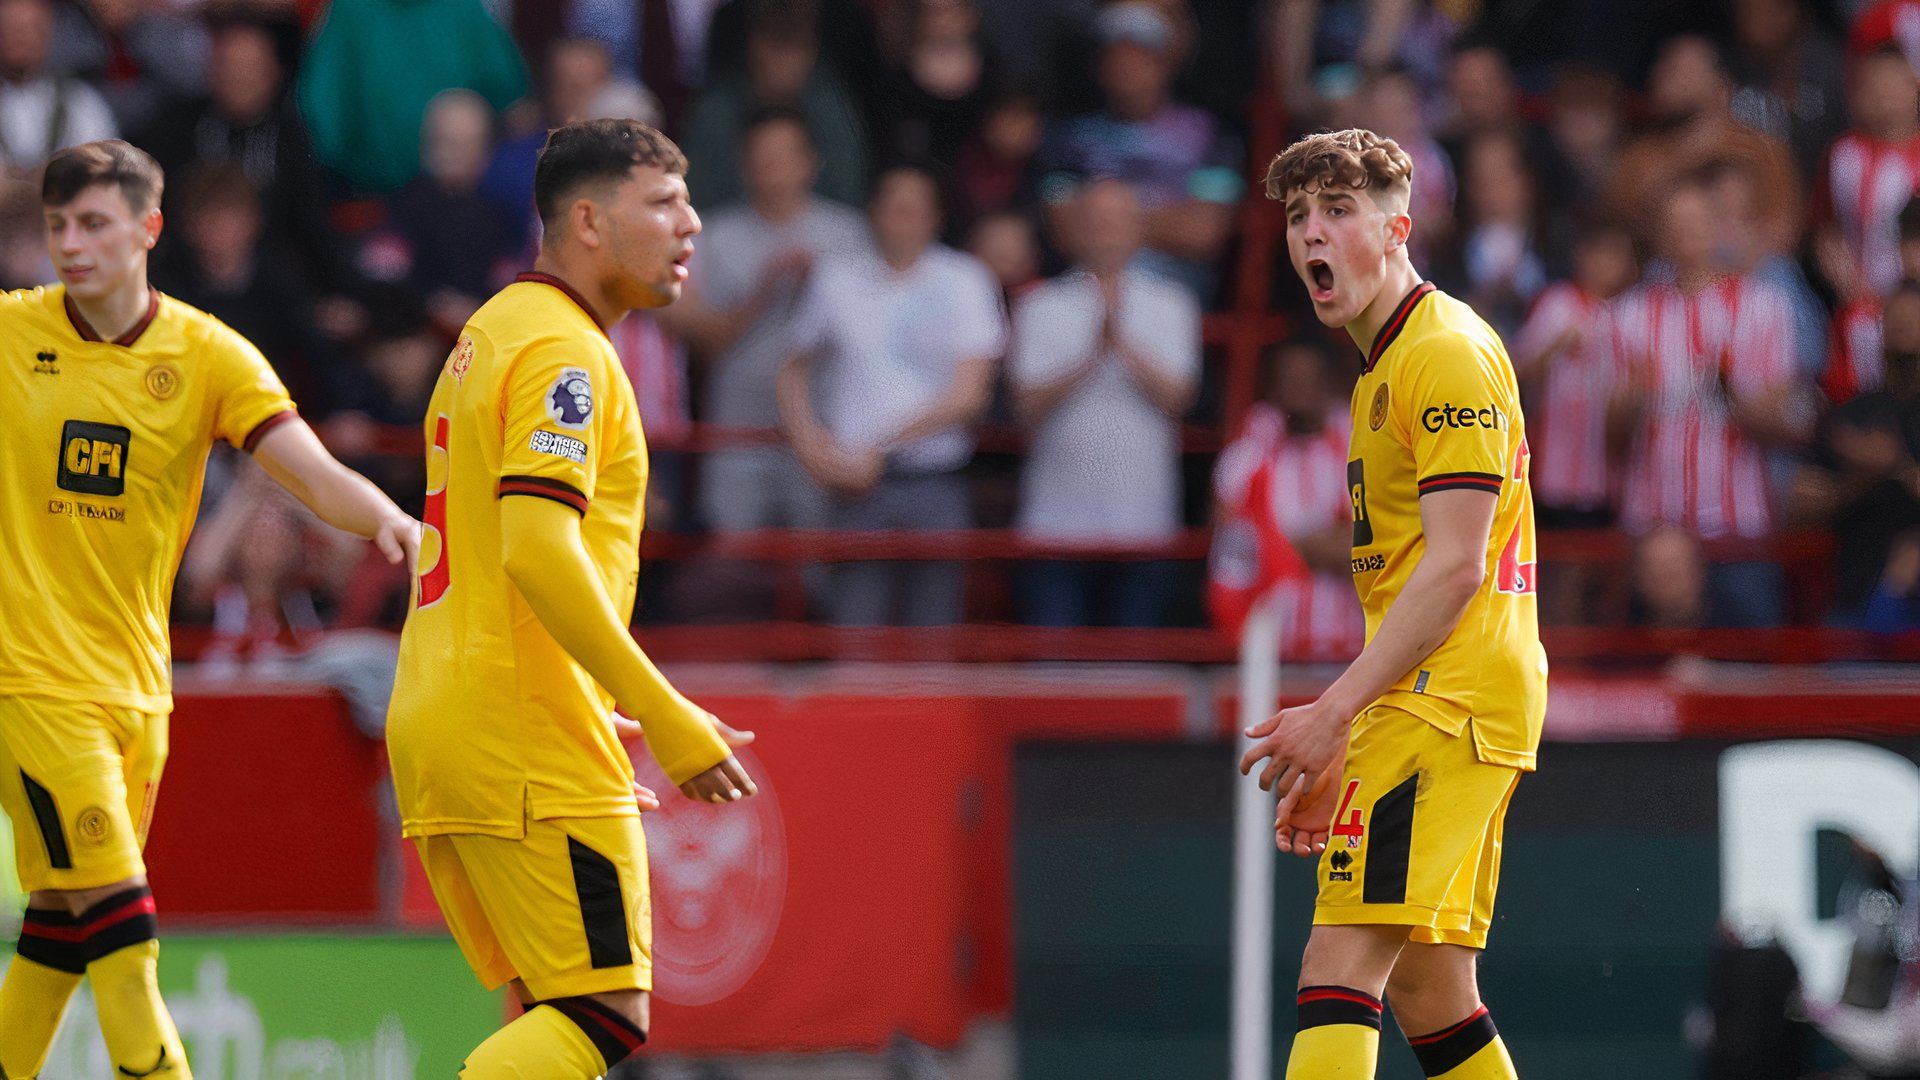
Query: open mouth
<point x="1319" y="280"/>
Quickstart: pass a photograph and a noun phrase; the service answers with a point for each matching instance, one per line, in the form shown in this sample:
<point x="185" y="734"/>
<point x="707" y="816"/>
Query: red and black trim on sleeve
<point x="252" y="441"/>
<point x="1320" y="1006"/>
<point x="571" y="293"/>
<point x="1449" y="1048"/>
<point x="545" y="487"/>
<point x="69" y="943"/>
<point x="1457" y="481"/>
<point x="616" y="1037"/>
<point x="87" y="333"/>
<point x="1396" y="322"/>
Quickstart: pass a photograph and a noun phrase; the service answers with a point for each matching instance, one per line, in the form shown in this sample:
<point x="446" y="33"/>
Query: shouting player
<point x="127" y="389"/>
<point x="507" y="760"/>
<point x="1399" y="775"/>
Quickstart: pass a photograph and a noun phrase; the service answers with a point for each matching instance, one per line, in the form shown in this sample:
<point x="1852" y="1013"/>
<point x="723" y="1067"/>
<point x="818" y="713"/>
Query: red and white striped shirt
<point x="1864" y="187"/>
<point x="1320" y="616"/>
<point x="656" y="364"/>
<point x="1691" y="465"/>
<point x="1567" y="425"/>
<point x="1854" y="361"/>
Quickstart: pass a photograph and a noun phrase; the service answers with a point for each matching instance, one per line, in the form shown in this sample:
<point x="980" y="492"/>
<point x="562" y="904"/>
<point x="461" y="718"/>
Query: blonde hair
<point x="1356" y="159"/>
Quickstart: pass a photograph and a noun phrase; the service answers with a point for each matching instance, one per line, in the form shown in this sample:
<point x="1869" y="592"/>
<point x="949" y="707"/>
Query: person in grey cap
<point x="1175" y="156"/>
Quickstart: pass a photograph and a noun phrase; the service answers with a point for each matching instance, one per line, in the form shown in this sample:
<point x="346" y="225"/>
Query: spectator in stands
<point x="783" y="70"/>
<point x="1183" y="167"/>
<point x="1690" y="96"/>
<point x="1297" y="434"/>
<point x="1105" y="361"/>
<point x="1486" y="98"/>
<point x="1861" y="478"/>
<point x="1303" y="42"/>
<point x="1009" y="246"/>
<point x="40" y="111"/>
<point x="1854" y="365"/>
<point x="998" y="166"/>
<point x="1586" y="127"/>
<point x="1791" y="77"/>
<point x="1390" y="102"/>
<point x="1669" y="581"/>
<point x="940" y="81"/>
<point x="450" y="244"/>
<point x="399" y="360"/>
<point x="1706" y="383"/>
<point x="229" y="267"/>
<point x="1567" y="386"/>
<point x="898" y="348"/>
<point x="750" y="268"/>
<point x="142" y="55"/>
<point x="248" y="120"/>
<point x="1499" y="263"/>
<point x="577" y="83"/>
<point x="1743" y="251"/>
<point x="373" y="66"/>
<point x="1874" y="169"/>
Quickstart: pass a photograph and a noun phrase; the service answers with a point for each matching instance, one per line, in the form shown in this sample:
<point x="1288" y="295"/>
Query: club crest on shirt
<point x="93" y="826"/>
<point x="163" y="381"/>
<point x="570" y="402"/>
<point x="1377" y="414"/>
<point x="461" y="358"/>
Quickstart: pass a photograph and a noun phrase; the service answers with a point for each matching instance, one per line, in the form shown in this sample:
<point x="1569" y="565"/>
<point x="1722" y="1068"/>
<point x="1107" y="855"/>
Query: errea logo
<point x="1463" y="416"/>
<point x="93" y="457"/>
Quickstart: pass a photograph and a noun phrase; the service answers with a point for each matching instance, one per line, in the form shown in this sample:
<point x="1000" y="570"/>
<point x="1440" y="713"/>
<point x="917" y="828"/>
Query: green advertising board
<point x="321" y="1006"/>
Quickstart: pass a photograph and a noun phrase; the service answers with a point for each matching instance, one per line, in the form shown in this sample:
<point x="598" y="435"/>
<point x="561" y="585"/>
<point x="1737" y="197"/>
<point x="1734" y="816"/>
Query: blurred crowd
<point x="959" y="256"/>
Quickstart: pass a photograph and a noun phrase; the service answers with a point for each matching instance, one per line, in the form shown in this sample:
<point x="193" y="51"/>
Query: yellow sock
<point x="1469" y="1050"/>
<point x="542" y="1045"/>
<point x="32" y="1000"/>
<point x="140" y="1035"/>
<point x="1339" y="1035"/>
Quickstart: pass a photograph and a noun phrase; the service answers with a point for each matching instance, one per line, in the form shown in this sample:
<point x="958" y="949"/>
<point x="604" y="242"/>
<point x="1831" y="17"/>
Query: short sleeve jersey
<point x="103" y="446"/>
<point x="492" y="721"/>
<point x="1438" y="409"/>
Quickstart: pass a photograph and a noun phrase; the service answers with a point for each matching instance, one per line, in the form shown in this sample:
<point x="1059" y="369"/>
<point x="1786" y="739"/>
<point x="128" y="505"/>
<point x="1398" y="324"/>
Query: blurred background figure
<point x="898" y="347"/>
<point x="40" y="110"/>
<point x="141" y="54"/>
<point x="1104" y="363"/>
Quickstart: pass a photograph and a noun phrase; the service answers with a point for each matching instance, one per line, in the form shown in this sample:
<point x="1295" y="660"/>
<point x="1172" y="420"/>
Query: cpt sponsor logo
<point x="85" y="511"/>
<point x="93" y="458"/>
<point x="1463" y="416"/>
<point x="719" y="882"/>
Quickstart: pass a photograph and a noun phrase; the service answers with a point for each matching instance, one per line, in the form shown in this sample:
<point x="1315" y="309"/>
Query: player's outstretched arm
<point x="1305" y="742"/>
<point x="291" y="453"/>
<point x="547" y="562"/>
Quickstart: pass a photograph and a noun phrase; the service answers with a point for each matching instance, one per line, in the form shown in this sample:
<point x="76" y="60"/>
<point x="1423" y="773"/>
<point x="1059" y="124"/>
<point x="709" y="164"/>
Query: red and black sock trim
<point x="1396" y="321"/>
<point x="48" y="938"/>
<point x="1452" y="481"/>
<point x="126" y="918"/>
<point x="69" y="943"/>
<point x="545" y="487"/>
<point x="615" y="1036"/>
<point x="1449" y="1048"/>
<point x="1320" y="1006"/>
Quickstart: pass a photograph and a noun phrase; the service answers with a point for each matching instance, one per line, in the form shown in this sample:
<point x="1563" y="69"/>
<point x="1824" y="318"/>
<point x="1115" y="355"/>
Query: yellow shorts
<point x="565" y="909"/>
<point x="1416" y="838"/>
<point x="79" y="781"/>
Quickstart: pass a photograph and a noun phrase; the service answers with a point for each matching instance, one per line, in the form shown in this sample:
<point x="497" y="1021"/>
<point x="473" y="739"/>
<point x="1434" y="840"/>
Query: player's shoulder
<point x="199" y="333"/>
<point x="535" y="316"/>
<point x="29" y="310"/>
<point x="1444" y="331"/>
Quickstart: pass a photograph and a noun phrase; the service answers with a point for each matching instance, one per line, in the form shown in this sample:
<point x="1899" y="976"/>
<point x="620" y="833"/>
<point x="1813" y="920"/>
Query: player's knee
<point x="1360" y="957"/>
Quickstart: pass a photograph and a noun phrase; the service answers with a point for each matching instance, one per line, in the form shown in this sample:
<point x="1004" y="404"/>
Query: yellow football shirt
<point x="1438" y="409"/>
<point x="491" y="720"/>
<point x="103" y="446"/>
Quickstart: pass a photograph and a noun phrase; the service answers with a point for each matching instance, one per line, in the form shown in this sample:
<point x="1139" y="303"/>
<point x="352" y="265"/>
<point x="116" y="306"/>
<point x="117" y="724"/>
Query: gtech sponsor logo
<point x="1463" y="416"/>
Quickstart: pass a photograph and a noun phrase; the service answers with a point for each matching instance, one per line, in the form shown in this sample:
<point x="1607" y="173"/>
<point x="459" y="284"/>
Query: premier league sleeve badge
<point x="570" y="402"/>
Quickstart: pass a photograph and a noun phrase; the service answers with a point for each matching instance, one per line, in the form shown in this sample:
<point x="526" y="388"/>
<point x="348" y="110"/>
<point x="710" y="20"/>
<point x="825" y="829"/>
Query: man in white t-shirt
<point x="40" y="112"/>
<point x="1105" y="361"/>
<point x="750" y="270"/>
<point x="894" y="358"/>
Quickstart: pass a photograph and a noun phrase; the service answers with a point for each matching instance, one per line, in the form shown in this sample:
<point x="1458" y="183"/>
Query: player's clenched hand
<point x="1298" y="742"/>
<point x="1303" y="818"/>
<point x="724" y="783"/>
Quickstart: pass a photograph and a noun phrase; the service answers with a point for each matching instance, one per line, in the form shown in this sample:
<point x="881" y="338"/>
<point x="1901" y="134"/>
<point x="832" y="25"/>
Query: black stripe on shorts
<point x="1390" y="845"/>
<point x="47" y="815"/>
<point x="603" y="907"/>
